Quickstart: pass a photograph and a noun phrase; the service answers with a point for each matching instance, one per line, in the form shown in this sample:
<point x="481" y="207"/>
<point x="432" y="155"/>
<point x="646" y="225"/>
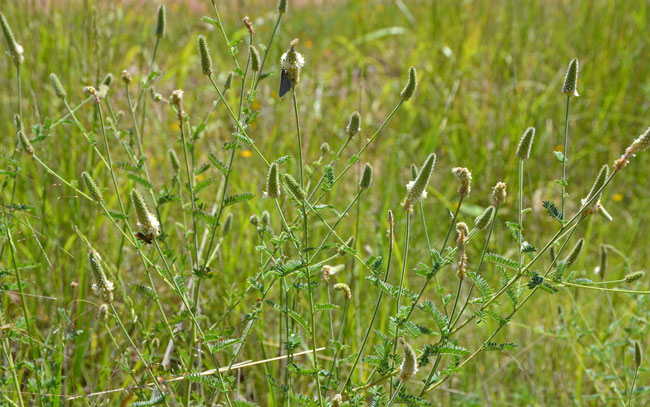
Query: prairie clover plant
<point x="310" y="285"/>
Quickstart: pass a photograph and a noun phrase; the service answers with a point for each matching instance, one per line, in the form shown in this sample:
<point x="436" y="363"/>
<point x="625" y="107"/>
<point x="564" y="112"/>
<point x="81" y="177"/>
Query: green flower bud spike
<point x="570" y="87"/>
<point x="411" y="84"/>
<point x="273" y="183"/>
<point x="58" y="87"/>
<point x="227" y="225"/>
<point x="366" y="177"/>
<point x="354" y="125"/>
<point x="206" y="59"/>
<point x="25" y="143"/>
<point x="416" y="189"/>
<point x="255" y="58"/>
<point x="573" y="256"/>
<point x="526" y="144"/>
<point x="294" y="187"/>
<point x="282" y="6"/>
<point x="15" y="50"/>
<point x="147" y="222"/>
<point x="102" y="287"/>
<point x="162" y="20"/>
<point x="409" y="364"/>
<point x="95" y="193"/>
<point x="483" y="220"/>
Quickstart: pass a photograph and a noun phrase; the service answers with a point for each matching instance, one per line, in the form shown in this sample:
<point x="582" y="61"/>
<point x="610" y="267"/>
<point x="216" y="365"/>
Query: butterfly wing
<point x="285" y="83"/>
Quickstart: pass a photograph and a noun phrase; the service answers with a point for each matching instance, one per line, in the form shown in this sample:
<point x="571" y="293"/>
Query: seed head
<point x="273" y="183"/>
<point x="637" y="354"/>
<point x="24" y="141"/>
<point x="637" y="275"/>
<point x="266" y="219"/>
<point x="147" y="222"/>
<point x="324" y="148"/>
<point x="570" y="87"/>
<point x="58" y="87"/>
<point x="410" y="363"/>
<point x="255" y="58"/>
<point x="294" y="187"/>
<point x="366" y="177"/>
<point x="249" y="26"/>
<point x="329" y="271"/>
<point x="102" y="287"/>
<point x="573" y="256"/>
<point x="526" y="144"/>
<point x="354" y="125"/>
<point x="206" y="59"/>
<point x="228" y="82"/>
<point x="642" y="143"/>
<point x="483" y="220"/>
<point x="126" y="77"/>
<point x="15" y="50"/>
<point x="292" y="62"/>
<point x="95" y="193"/>
<point x="499" y="194"/>
<point x="463" y="233"/>
<point x="91" y="91"/>
<point x="173" y="158"/>
<point x="282" y="6"/>
<point x="416" y="189"/>
<point x="347" y="293"/>
<point x="160" y="26"/>
<point x="411" y="84"/>
<point x="227" y="225"/>
<point x="464" y="177"/>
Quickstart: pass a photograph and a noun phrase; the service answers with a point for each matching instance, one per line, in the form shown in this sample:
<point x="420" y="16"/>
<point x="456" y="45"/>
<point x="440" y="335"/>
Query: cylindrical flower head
<point x="282" y="6"/>
<point x="410" y="363"/>
<point x="354" y="125"/>
<point x="499" y="194"/>
<point x="483" y="220"/>
<point x="160" y="26"/>
<point x="254" y="220"/>
<point x="570" y="86"/>
<point x="640" y="144"/>
<point x="411" y="84"/>
<point x="108" y="79"/>
<point x="416" y="189"/>
<point x="464" y="177"/>
<point x="58" y="87"/>
<point x="366" y="177"/>
<point x="255" y="58"/>
<point x="598" y="184"/>
<point x="206" y="59"/>
<point x="414" y="171"/>
<point x="292" y="62"/>
<point x="24" y="141"/>
<point x="602" y="269"/>
<point x="227" y="225"/>
<point x="637" y="354"/>
<point x="176" y="165"/>
<point x="463" y="232"/>
<point x="15" y="50"/>
<point x="102" y="286"/>
<point x="347" y="293"/>
<point x="573" y="256"/>
<point x="324" y="148"/>
<point x="526" y="144"/>
<point x="147" y="222"/>
<point x="273" y="182"/>
<point x="95" y="193"/>
<point x="637" y="275"/>
<point x="294" y="187"/>
<point x="102" y="313"/>
<point x="126" y="77"/>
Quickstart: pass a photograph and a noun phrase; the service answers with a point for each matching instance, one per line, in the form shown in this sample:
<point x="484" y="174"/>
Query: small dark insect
<point x="144" y="239"/>
<point x="285" y="83"/>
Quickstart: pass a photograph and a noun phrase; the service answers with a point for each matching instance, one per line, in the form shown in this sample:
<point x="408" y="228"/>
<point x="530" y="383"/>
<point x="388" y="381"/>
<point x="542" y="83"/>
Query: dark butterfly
<point x="285" y="83"/>
<point x="144" y="239"/>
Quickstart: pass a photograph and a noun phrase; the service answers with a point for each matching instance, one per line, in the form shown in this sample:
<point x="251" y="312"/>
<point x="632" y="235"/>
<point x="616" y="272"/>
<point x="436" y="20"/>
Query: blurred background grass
<point x="487" y="70"/>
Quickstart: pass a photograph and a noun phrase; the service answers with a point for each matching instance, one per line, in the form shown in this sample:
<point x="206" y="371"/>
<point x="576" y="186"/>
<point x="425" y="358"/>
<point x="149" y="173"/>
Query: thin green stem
<point x="564" y="153"/>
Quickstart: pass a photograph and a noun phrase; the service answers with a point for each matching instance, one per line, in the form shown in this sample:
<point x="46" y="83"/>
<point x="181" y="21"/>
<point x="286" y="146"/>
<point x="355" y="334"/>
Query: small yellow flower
<point x="246" y="153"/>
<point x="559" y="148"/>
<point x="617" y="197"/>
<point x="309" y="43"/>
<point x="200" y="177"/>
<point x="176" y="126"/>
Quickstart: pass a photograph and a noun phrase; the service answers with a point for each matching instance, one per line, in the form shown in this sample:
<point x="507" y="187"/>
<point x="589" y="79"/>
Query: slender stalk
<point x="564" y="151"/>
<point x="340" y="335"/>
<point x="629" y="396"/>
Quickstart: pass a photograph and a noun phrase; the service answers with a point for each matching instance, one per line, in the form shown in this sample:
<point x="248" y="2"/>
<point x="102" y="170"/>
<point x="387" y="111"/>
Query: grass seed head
<point x="416" y="190"/>
<point x="294" y="187"/>
<point x="147" y="222"/>
<point x="58" y="87"/>
<point x="354" y="125"/>
<point x="526" y="144"/>
<point x="410" y="362"/>
<point x="483" y="220"/>
<point x="255" y="58"/>
<point x="411" y="84"/>
<point x="25" y="143"/>
<point x="464" y="177"/>
<point x="102" y="287"/>
<point x="15" y="50"/>
<point x="95" y="193"/>
<point x="273" y="182"/>
<point x="366" y="177"/>
<point x="570" y="87"/>
<point x="206" y="59"/>
<point x="347" y="293"/>
<point x="162" y="21"/>
<point x="499" y="194"/>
